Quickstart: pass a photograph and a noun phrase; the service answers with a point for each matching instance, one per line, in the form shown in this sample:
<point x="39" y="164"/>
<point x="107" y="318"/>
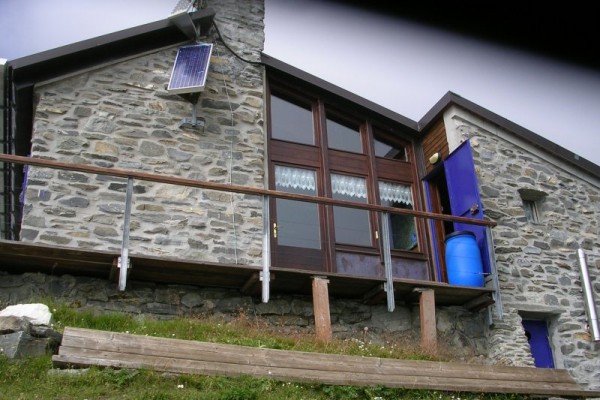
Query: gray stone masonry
<point x="537" y="263"/>
<point x="461" y="333"/>
<point x="120" y="116"/>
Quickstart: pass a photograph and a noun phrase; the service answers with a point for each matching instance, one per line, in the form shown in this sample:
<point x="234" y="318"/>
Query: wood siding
<point x="435" y="141"/>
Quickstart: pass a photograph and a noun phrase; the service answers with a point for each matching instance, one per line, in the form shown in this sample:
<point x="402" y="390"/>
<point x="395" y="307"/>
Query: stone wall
<point x="461" y="333"/>
<point x="537" y="263"/>
<point x="120" y="116"/>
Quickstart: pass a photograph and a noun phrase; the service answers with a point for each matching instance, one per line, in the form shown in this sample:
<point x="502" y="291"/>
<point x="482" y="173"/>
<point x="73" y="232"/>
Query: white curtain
<point x="395" y="192"/>
<point x="349" y="186"/>
<point x="295" y="178"/>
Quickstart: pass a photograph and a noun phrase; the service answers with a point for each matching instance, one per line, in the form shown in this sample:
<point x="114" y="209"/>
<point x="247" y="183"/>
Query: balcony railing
<point x="266" y="195"/>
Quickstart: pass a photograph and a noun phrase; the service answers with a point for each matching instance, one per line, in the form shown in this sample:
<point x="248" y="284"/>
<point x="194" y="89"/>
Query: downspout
<point x="3" y="141"/>
<point x="588" y="293"/>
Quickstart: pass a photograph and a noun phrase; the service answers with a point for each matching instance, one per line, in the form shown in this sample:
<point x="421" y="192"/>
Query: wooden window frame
<point x="328" y="161"/>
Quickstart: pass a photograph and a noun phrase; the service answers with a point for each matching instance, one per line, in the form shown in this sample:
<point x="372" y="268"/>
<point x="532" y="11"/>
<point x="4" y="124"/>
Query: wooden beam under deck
<point x="21" y="257"/>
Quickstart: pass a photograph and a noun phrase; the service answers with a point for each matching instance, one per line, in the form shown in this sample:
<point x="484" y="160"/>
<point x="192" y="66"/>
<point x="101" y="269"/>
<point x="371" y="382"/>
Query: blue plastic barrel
<point x="463" y="260"/>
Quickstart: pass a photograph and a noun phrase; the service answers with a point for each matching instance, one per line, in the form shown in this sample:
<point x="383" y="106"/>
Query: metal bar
<point x="588" y="293"/>
<point x="494" y="274"/>
<point x="124" y="259"/>
<point x="265" y="275"/>
<point x="387" y="261"/>
<point x="173" y="180"/>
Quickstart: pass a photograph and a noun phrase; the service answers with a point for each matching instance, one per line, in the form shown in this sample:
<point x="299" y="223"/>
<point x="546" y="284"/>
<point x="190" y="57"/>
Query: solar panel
<point x="190" y="69"/>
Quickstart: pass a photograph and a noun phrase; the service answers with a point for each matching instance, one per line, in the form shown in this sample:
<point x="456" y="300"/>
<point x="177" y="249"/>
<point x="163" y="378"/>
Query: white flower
<point x="180" y="386"/>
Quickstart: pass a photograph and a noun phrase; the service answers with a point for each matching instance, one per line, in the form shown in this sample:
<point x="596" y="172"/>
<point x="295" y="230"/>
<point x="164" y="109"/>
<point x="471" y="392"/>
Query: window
<point x="317" y="149"/>
<point x="291" y="122"/>
<point x="403" y="235"/>
<point x="352" y="225"/>
<point x="530" y="211"/>
<point x="532" y="199"/>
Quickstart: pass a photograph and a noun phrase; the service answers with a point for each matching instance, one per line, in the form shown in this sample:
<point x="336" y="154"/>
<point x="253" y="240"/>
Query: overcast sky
<point x="397" y="63"/>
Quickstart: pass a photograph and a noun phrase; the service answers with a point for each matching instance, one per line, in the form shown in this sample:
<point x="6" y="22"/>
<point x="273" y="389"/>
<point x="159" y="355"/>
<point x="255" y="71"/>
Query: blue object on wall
<point x="537" y="335"/>
<point x="463" y="260"/>
<point x="463" y="192"/>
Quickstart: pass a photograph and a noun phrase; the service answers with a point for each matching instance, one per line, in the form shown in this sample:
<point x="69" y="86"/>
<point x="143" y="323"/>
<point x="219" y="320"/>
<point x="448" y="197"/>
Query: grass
<point x="35" y="378"/>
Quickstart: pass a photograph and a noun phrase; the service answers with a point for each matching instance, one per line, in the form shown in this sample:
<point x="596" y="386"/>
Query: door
<point x="463" y="195"/>
<point x="539" y="342"/>
<point x="296" y="228"/>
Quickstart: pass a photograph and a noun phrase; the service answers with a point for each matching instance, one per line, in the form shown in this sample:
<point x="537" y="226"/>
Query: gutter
<point x="3" y="103"/>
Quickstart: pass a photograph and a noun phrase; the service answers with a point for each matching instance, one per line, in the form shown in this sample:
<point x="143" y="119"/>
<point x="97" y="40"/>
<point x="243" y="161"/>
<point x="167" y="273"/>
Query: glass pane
<point x="297" y="221"/>
<point x="403" y="231"/>
<point x="386" y="151"/>
<point x="351" y="224"/>
<point x="291" y="122"/>
<point x="341" y="137"/>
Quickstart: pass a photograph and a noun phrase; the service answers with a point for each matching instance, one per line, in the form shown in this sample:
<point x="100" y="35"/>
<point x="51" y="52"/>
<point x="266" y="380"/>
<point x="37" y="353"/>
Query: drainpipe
<point x="588" y="293"/>
<point x="3" y="148"/>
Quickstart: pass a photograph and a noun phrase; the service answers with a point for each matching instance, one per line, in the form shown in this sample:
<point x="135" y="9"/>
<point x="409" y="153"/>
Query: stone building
<point x="208" y="190"/>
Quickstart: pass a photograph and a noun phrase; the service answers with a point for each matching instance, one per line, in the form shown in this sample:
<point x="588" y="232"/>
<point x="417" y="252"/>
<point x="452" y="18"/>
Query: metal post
<point x="494" y="273"/>
<point x="588" y="293"/>
<point x="124" y="259"/>
<point x="387" y="261"/>
<point x="265" y="275"/>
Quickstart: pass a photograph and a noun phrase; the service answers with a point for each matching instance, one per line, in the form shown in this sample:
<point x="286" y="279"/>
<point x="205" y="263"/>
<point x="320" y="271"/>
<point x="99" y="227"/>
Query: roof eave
<point x="339" y="92"/>
<point x="114" y="46"/>
<point x="530" y="137"/>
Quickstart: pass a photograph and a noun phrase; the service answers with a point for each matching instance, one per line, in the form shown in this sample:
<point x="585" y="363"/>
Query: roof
<point x="449" y="99"/>
<point x="24" y="72"/>
<point x="102" y="49"/>
<point x="532" y="138"/>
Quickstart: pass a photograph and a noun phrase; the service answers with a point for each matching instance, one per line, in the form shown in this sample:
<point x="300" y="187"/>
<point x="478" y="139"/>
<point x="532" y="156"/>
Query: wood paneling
<point x="435" y="141"/>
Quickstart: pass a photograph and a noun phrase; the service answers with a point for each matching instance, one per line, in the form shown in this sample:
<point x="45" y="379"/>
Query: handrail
<point x="40" y="162"/>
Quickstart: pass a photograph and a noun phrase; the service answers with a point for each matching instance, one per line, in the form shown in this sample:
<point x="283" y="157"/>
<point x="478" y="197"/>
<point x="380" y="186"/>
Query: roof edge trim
<point x="533" y="138"/>
<point x="288" y="69"/>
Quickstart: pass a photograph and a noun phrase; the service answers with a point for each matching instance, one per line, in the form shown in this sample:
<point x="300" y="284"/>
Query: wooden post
<point x="321" y="308"/>
<point x="428" y="326"/>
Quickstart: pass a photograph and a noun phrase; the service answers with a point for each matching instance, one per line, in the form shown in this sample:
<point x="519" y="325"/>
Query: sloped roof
<point x="102" y="49"/>
<point x="25" y="72"/>
<point x="449" y="99"/>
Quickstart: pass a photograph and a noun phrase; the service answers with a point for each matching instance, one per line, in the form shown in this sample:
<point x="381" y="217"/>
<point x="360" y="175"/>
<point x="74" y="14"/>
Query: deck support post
<point x="124" y="259"/>
<point x="428" y="325"/>
<point x="388" y="286"/>
<point x="265" y="275"/>
<point x="320" y="292"/>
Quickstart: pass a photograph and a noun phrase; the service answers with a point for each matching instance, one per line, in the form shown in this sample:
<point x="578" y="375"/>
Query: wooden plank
<point x="86" y="357"/>
<point x="321" y="309"/>
<point x="84" y="347"/>
<point x="428" y="326"/>
<point x="202" y="351"/>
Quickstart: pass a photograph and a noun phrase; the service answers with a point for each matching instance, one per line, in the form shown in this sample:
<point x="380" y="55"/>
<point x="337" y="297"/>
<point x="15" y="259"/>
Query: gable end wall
<point x="537" y="263"/>
<point x="120" y="116"/>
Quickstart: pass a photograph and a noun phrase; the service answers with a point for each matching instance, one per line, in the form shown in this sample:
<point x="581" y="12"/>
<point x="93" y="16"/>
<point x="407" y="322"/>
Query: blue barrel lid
<point x="460" y="233"/>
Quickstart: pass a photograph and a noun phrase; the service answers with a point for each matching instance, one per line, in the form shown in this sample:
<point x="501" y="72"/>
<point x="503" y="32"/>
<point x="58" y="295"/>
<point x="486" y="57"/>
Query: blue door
<point x="463" y="193"/>
<point x="539" y="342"/>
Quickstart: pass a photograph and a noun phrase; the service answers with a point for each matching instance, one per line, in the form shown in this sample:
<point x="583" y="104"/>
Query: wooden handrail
<point x="173" y="180"/>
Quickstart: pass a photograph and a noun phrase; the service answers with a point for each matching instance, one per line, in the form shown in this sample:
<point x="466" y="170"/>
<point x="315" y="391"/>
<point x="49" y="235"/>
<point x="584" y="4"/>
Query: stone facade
<point x="120" y="116"/>
<point x="537" y="262"/>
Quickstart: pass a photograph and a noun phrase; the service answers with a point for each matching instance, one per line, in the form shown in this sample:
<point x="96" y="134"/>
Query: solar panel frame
<point x="190" y="69"/>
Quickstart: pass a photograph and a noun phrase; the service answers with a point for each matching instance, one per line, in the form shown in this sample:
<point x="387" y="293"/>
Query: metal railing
<point x="266" y="195"/>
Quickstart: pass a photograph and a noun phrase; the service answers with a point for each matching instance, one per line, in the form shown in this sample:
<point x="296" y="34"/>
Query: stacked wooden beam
<point x="85" y="347"/>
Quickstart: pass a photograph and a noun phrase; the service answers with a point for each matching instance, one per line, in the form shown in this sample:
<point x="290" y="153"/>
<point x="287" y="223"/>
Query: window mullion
<point x="372" y="185"/>
<point x="327" y="228"/>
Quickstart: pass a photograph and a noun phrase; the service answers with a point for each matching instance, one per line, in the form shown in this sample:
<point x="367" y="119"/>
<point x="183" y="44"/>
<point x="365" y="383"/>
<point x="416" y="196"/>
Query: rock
<point x="11" y="324"/>
<point x="37" y="314"/>
<point x="23" y="345"/>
